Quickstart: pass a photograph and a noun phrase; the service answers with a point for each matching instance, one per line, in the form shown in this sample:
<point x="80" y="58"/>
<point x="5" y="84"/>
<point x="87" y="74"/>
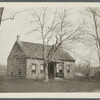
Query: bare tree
<point x="1" y="13"/>
<point x="9" y="18"/>
<point x="92" y="28"/>
<point x="56" y="28"/>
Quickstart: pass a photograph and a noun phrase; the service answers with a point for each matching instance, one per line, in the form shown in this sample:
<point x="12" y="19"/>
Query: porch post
<point x="54" y="70"/>
<point x="46" y="73"/>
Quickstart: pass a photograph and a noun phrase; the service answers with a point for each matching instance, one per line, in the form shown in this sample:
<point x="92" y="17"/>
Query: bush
<point x="83" y="70"/>
<point x="97" y="74"/>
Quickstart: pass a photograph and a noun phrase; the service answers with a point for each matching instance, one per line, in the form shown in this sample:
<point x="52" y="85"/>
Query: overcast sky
<point x="20" y="26"/>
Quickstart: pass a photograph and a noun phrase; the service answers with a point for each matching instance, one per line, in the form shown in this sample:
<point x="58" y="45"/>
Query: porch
<point x="56" y="70"/>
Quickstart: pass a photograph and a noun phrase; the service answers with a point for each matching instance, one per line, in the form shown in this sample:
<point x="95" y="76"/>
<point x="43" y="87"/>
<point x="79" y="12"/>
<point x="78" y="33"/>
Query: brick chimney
<point x="18" y="38"/>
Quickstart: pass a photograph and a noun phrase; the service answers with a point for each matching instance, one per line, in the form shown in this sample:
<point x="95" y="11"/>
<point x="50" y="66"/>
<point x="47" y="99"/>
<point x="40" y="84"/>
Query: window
<point x="33" y="68"/>
<point x="60" y="68"/>
<point x="68" y="68"/>
<point x="41" y="68"/>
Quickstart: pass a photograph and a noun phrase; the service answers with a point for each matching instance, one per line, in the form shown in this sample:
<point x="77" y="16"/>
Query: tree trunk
<point x="99" y="63"/>
<point x="1" y="12"/>
<point x="46" y="73"/>
<point x="99" y="56"/>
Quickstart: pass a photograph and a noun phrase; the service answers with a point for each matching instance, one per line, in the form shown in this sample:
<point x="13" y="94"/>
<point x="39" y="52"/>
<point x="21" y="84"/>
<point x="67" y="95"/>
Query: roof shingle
<point x="35" y="50"/>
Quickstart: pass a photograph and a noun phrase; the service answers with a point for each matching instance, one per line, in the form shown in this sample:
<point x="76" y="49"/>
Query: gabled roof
<point x="35" y="50"/>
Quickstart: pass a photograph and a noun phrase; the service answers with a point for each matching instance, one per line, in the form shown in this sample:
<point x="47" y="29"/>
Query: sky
<point x="20" y="26"/>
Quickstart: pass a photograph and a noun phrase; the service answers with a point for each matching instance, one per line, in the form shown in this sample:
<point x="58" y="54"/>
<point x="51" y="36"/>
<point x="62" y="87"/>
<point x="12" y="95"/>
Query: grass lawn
<point x="28" y="85"/>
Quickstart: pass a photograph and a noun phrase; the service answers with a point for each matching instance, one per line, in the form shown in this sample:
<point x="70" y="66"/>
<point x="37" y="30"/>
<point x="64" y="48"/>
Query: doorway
<point x="51" y="70"/>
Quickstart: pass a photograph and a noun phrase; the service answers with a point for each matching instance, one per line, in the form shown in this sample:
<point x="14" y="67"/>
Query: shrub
<point x="83" y="70"/>
<point x="97" y="74"/>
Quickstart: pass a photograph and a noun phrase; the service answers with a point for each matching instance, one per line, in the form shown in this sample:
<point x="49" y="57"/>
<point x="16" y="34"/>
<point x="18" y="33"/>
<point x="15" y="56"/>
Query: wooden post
<point x="46" y="73"/>
<point x="54" y="70"/>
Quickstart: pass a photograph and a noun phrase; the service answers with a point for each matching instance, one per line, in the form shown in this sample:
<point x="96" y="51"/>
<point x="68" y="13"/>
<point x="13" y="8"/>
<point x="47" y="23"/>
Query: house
<point x="26" y="60"/>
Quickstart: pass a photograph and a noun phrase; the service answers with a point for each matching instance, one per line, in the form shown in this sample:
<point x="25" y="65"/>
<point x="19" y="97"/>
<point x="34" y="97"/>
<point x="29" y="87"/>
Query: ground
<point x="28" y="85"/>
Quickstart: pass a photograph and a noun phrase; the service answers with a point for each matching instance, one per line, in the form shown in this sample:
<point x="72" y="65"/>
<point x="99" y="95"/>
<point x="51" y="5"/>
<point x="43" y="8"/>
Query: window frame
<point x="68" y="68"/>
<point x="60" y="67"/>
<point x="33" y="71"/>
<point x="41" y="70"/>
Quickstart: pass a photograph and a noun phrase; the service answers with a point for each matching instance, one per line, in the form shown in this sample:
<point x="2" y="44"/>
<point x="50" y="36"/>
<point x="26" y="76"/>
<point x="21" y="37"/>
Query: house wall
<point x="38" y="75"/>
<point x="69" y="75"/>
<point x="29" y="73"/>
<point x="16" y="62"/>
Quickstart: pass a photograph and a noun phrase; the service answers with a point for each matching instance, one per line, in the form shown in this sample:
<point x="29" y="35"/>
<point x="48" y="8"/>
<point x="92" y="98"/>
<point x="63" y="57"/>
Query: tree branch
<point x="13" y="15"/>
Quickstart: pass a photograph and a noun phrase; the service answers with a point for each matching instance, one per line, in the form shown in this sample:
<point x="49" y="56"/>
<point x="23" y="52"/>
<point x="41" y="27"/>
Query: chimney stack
<point x="18" y="38"/>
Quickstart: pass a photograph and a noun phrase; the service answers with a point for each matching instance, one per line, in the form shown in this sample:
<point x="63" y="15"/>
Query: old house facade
<point x="25" y="60"/>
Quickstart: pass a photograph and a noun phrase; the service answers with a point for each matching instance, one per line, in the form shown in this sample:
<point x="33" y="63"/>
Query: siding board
<point x="16" y="61"/>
